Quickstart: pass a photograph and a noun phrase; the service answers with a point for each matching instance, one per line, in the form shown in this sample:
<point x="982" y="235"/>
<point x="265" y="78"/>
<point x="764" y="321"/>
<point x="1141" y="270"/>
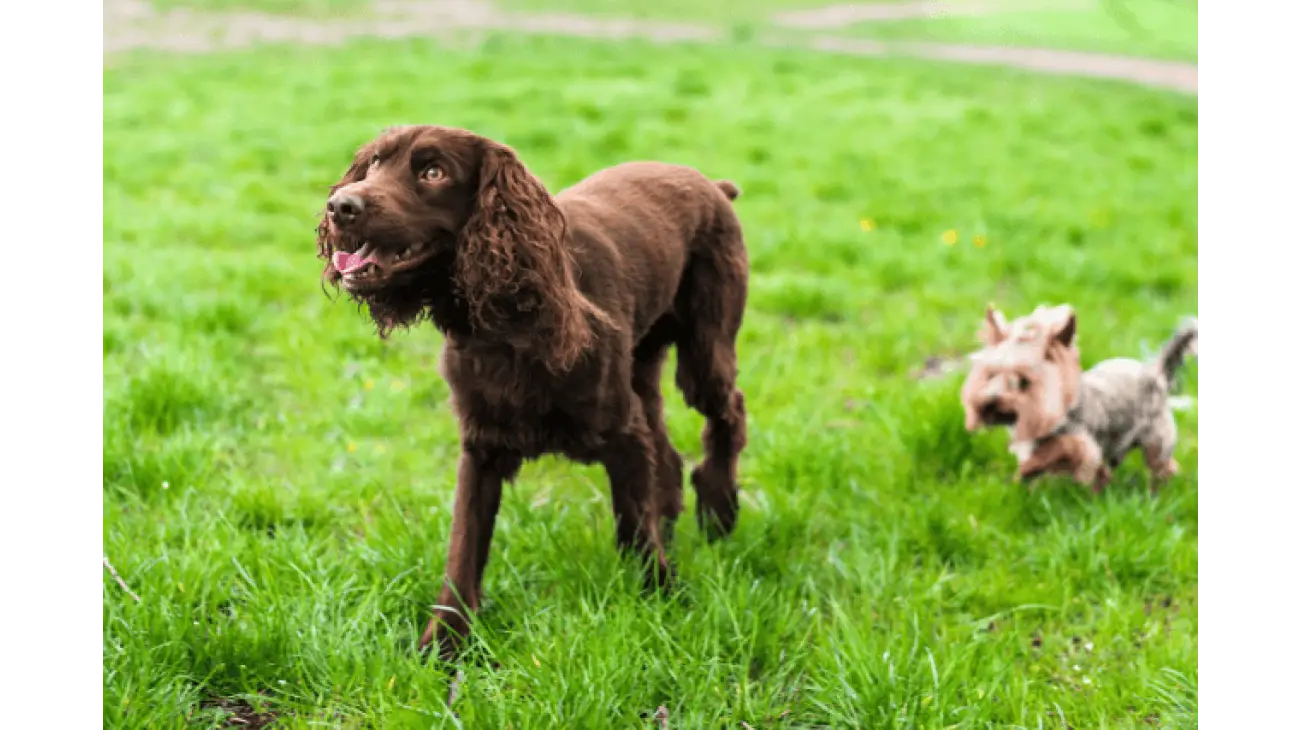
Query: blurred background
<point x="278" y="481"/>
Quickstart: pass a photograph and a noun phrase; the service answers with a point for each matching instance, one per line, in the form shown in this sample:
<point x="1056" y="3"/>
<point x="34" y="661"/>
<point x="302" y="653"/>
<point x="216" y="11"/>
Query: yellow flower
<point x="949" y="237"/>
<point x="980" y="241"/>
<point x="867" y="224"/>
<point x="370" y="384"/>
<point x="352" y="447"/>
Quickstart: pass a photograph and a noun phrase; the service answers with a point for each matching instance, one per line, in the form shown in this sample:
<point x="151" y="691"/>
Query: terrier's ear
<point x="994" y="330"/>
<point x="1062" y="325"/>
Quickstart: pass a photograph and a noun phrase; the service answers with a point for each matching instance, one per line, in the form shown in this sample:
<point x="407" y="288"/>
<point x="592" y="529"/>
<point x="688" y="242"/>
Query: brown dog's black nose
<point x="344" y="207"/>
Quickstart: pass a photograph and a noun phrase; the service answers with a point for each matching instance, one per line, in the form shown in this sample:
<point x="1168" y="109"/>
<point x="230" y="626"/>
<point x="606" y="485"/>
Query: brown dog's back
<point x="672" y="194"/>
<point x="650" y="225"/>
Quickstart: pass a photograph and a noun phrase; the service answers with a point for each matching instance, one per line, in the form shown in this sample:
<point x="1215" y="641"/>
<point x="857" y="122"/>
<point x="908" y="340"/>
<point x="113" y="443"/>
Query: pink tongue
<point x="346" y="263"/>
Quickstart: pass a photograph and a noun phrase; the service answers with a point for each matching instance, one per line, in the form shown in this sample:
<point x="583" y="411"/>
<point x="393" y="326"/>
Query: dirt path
<point x="1148" y="72"/>
<point x="131" y="24"/>
<point x="834" y="17"/>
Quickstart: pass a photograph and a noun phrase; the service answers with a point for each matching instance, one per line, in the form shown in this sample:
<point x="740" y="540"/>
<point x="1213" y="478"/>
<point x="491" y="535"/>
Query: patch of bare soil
<point x="832" y="17"/>
<point x="1147" y="72"/>
<point x="236" y="713"/>
<point x="130" y="24"/>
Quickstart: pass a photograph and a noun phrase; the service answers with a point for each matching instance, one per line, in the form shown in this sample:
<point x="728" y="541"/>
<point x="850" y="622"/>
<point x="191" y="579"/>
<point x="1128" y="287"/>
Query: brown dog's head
<point x="1027" y="375"/>
<point x="440" y="222"/>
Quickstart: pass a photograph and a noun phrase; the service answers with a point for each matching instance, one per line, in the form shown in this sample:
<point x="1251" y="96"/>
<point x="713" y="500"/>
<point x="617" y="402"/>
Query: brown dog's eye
<point x="433" y="173"/>
<point x="1022" y="383"/>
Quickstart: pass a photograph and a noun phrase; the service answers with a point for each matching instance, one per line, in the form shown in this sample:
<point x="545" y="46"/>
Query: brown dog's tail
<point x="728" y="188"/>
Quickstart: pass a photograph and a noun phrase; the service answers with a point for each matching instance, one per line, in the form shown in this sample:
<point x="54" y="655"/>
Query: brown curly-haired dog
<point x="558" y="313"/>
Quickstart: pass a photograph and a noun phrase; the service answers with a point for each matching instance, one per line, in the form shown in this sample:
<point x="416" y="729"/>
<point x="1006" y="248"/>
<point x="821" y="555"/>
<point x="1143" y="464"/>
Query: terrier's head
<point x="1027" y="375"/>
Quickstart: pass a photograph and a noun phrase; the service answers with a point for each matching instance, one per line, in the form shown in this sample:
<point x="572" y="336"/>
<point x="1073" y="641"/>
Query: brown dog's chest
<point x="504" y="403"/>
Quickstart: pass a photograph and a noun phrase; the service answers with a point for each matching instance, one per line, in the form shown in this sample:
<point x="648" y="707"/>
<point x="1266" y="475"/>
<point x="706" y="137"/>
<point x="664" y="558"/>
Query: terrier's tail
<point x="1182" y="344"/>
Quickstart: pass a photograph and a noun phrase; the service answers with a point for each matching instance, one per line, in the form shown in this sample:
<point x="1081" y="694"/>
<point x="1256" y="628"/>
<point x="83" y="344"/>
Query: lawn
<point x="278" y="482"/>
<point x="1151" y="28"/>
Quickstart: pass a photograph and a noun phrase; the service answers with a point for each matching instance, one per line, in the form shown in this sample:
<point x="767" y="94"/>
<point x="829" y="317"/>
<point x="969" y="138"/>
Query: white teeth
<point x="410" y="251"/>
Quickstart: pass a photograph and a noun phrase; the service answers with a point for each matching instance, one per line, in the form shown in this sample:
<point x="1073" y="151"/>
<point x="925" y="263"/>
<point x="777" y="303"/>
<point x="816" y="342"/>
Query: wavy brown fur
<point x="558" y="314"/>
<point x="512" y="260"/>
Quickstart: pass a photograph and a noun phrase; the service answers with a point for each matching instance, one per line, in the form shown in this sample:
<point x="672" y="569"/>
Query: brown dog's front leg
<point x="478" y="497"/>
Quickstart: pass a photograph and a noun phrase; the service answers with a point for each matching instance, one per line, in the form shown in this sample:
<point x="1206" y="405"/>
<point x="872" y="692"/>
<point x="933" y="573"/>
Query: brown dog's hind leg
<point x="478" y="497"/>
<point x="710" y="306"/>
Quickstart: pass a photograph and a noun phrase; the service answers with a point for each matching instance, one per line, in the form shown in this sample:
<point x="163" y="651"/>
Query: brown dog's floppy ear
<point x="513" y="267"/>
<point x="994" y="330"/>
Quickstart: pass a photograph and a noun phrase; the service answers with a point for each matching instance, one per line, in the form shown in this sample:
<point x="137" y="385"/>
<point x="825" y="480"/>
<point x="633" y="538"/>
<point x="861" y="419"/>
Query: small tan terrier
<point x="1064" y="420"/>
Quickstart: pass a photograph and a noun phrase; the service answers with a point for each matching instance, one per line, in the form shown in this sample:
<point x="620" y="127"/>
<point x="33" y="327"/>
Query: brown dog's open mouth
<point x="370" y="265"/>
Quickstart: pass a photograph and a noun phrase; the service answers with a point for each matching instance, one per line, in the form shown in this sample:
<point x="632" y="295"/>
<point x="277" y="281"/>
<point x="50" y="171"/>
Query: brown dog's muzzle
<point x="344" y="208"/>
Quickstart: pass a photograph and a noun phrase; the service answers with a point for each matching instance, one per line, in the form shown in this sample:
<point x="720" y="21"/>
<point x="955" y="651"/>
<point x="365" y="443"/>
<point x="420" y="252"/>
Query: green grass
<point x="278" y="482"/>
<point x="1152" y="28"/>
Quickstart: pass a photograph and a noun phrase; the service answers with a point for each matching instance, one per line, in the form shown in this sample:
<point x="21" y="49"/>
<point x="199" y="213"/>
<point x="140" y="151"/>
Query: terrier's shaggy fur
<point x="1064" y="420"/>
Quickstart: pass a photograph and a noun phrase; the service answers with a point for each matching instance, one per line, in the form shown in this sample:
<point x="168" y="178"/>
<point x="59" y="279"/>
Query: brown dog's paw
<point x="716" y="525"/>
<point x="446" y="633"/>
<point x="660" y="576"/>
<point x="717" y="508"/>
